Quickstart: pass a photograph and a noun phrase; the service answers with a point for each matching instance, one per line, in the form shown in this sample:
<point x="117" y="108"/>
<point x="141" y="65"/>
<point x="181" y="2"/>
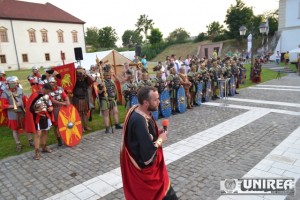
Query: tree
<point x="201" y="37"/>
<point x="272" y="17"/>
<point x="238" y="15"/>
<point x="91" y="37"/>
<point x="214" y="29"/>
<point x="130" y="38"/>
<point x="155" y="37"/>
<point x="144" y="24"/>
<point x="107" y="37"/>
<point x="178" y="35"/>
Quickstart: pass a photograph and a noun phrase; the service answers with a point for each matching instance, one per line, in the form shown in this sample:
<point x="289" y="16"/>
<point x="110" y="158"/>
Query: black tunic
<point x="140" y="141"/>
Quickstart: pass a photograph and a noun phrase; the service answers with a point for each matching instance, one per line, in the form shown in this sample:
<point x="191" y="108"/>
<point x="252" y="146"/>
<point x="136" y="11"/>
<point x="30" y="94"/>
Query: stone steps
<point x="277" y="68"/>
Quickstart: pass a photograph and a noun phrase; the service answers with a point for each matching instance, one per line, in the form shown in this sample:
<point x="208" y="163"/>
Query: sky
<point x="122" y="15"/>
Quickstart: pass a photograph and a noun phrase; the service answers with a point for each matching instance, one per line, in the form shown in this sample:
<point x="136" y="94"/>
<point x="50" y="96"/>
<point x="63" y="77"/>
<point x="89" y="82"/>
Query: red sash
<point x="150" y="183"/>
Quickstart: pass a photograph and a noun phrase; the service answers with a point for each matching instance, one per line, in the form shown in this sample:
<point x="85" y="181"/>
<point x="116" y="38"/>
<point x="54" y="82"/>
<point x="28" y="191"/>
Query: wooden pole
<point x="114" y="62"/>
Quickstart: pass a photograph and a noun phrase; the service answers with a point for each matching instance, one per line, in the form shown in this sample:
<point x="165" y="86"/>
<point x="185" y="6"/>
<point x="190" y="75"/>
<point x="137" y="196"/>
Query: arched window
<point x="74" y="36"/>
<point x="44" y="34"/>
<point x="3" y="34"/>
<point x="31" y="33"/>
<point x="60" y="35"/>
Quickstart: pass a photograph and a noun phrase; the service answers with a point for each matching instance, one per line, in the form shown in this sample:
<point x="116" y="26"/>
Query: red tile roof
<point x="20" y="10"/>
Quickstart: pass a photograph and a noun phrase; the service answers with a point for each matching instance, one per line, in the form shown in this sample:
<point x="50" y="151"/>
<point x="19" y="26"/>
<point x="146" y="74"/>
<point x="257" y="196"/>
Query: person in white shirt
<point x="278" y="57"/>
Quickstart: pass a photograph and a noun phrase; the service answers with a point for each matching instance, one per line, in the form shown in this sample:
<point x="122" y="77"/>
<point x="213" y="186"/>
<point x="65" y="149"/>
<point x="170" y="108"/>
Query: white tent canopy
<point x="295" y="50"/>
<point x="128" y="54"/>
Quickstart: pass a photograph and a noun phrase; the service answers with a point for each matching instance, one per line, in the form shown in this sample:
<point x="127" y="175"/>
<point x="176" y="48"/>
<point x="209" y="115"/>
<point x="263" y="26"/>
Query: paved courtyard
<point x="256" y="134"/>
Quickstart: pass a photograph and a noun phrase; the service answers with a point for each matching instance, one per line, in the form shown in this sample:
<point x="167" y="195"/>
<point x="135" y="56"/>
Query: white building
<point x="33" y="34"/>
<point x="288" y="27"/>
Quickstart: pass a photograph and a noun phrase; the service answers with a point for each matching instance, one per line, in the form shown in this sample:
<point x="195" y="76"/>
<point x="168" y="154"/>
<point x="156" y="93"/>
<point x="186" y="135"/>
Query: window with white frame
<point x="31" y="33"/>
<point x="74" y="36"/>
<point x="60" y="35"/>
<point x="3" y="34"/>
<point x="44" y="33"/>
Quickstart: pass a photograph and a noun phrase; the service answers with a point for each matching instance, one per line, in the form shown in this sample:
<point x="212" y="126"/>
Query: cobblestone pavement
<point x="196" y="175"/>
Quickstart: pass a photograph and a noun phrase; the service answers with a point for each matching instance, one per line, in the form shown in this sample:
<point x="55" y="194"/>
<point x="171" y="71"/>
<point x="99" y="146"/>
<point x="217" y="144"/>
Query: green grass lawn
<point x="7" y="144"/>
<point x="291" y="66"/>
<point x="266" y="75"/>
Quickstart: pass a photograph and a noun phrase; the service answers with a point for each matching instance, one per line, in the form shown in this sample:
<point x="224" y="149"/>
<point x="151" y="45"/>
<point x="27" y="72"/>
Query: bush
<point x="152" y="50"/>
<point x="201" y="37"/>
<point x="220" y="38"/>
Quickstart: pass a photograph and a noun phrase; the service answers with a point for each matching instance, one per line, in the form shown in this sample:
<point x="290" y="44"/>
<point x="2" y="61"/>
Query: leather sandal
<point x="37" y="155"/>
<point x="45" y="149"/>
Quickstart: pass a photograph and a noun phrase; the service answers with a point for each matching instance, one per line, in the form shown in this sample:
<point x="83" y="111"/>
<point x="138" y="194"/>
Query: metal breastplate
<point x="193" y="77"/>
<point x="16" y="96"/>
<point x="215" y="74"/>
<point x="41" y="104"/>
<point x="176" y="81"/>
<point x="161" y="85"/>
<point x="235" y="70"/>
<point x="33" y="78"/>
<point x="145" y="83"/>
<point x="110" y="88"/>
<point x="57" y="94"/>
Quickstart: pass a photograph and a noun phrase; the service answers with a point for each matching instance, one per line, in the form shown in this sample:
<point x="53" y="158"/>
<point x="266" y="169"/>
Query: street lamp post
<point x="243" y="30"/>
<point x="264" y="28"/>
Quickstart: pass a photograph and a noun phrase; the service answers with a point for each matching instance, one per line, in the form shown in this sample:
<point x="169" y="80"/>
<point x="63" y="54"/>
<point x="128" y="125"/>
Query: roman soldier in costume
<point x="35" y="80"/>
<point x="129" y="88"/>
<point x="93" y="90"/>
<point x="108" y="96"/>
<point x="215" y="72"/>
<point x="193" y="78"/>
<point x="58" y="98"/>
<point x="226" y="71"/>
<point x="81" y="96"/>
<point x="174" y="84"/>
<point x="122" y="77"/>
<point x="2" y="81"/>
<point x="51" y="73"/>
<point x="256" y="72"/>
<point x="39" y="118"/>
<point x="157" y="81"/>
<point x="184" y="81"/>
<point x="144" y="172"/>
<point x="145" y="79"/>
<point x="203" y="72"/>
<point x="14" y="101"/>
<point x="235" y="70"/>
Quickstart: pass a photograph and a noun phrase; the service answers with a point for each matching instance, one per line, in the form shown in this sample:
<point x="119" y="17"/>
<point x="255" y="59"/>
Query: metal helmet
<point x="2" y="71"/>
<point x="35" y="68"/>
<point x="12" y="79"/>
<point x="51" y="80"/>
<point x="12" y="82"/>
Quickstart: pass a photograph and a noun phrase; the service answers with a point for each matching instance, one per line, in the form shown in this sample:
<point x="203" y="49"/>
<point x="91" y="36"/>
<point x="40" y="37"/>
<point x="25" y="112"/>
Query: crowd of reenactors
<point x="197" y="78"/>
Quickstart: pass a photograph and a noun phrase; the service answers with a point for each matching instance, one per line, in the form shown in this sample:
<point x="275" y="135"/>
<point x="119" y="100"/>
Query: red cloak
<point x="29" y="120"/>
<point x="150" y="183"/>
